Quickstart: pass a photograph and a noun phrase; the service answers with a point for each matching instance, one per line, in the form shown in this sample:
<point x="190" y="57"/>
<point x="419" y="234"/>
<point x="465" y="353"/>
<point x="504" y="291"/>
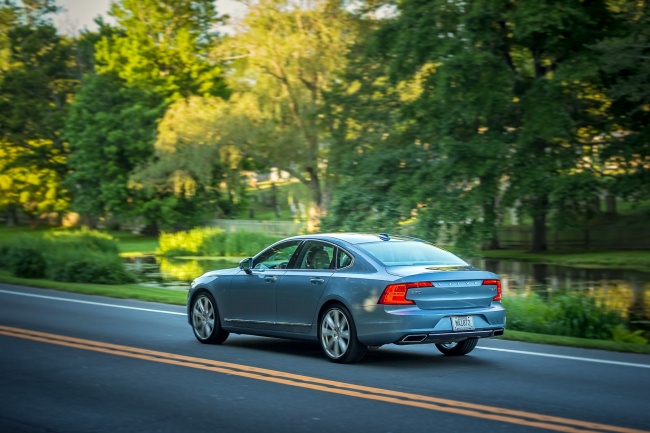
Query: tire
<point x="205" y="320"/>
<point x="458" y="348"/>
<point x="338" y="336"/>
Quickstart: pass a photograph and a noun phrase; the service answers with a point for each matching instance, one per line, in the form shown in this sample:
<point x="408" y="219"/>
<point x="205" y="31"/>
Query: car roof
<point x="359" y="238"/>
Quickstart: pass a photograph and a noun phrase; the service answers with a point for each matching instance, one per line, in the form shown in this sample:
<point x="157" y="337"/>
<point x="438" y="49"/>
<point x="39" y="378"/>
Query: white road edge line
<point x="573" y="358"/>
<point x="90" y="303"/>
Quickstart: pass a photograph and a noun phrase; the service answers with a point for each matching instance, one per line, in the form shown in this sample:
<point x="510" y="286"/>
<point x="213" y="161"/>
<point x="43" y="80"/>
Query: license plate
<point x="462" y="323"/>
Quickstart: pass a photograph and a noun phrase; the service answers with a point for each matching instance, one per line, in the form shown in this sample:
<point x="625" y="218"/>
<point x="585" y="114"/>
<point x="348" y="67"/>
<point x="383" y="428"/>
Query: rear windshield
<point x="410" y="253"/>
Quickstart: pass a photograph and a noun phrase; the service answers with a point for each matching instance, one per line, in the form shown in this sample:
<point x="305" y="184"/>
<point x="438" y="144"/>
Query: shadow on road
<point x="423" y="356"/>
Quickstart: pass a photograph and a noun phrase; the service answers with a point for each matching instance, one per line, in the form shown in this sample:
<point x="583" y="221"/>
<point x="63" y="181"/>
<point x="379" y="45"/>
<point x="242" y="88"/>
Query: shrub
<point x="25" y="262"/>
<point x="243" y="243"/>
<point x="198" y="241"/>
<point x="575" y="315"/>
<point x="570" y="314"/>
<point x="624" y="335"/>
<point x="526" y="312"/>
<point x="89" y="267"/>
<point x="84" y="239"/>
<point x="213" y="241"/>
<point x="81" y="256"/>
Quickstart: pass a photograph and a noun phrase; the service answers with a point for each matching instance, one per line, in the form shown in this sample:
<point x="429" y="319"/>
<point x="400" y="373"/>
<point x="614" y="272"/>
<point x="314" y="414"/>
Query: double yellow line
<point x="384" y="395"/>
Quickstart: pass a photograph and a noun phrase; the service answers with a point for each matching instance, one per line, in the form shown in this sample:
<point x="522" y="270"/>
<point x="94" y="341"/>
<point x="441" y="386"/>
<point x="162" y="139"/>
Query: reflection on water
<point x="625" y="291"/>
<point x="622" y="290"/>
<point x="173" y="273"/>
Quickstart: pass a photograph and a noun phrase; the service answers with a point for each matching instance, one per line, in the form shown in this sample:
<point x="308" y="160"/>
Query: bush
<point x="570" y="314"/>
<point x="213" y="241"/>
<point x="243" y="243"/>
<point x="81" y="256"/>
<point x="25" y="262"/>
<point x="575" y="315"/>
<point x="85" y="239"/>
<point x="89" y="267"/>
<point x="199" y="241"/>
<point x="526" y="312"/>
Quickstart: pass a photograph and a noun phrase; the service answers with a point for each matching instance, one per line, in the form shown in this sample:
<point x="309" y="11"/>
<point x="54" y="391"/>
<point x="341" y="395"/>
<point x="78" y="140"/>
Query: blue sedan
<point x="350" y="291"/>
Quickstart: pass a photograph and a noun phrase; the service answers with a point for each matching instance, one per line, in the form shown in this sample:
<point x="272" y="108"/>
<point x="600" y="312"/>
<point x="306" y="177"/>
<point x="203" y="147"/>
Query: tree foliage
<point x="36" y="82"/>
<point x="162" y="45"/>
<point x="110" y="129"/>
<point x="502" y="103"/>
<point x="285" y="57"/>
<point x="155" y="55"/>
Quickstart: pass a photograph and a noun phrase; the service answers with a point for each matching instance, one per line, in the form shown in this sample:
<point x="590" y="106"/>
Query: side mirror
<point x="246" y="265"/>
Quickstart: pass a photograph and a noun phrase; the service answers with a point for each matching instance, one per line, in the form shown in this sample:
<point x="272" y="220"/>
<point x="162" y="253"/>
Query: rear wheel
<point x="458" y="348"/>
<point x="338" y="336"/>
<point x="205" y="320"/>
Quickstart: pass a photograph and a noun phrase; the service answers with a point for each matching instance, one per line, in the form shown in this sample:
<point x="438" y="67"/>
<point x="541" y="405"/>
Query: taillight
<point x="395" y="294"/>
<point x="494" y="283"/>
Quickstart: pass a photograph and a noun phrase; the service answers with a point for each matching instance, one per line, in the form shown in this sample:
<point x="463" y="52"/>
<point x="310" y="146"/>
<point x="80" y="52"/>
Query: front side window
<point x="411" y="253"/>
<point x="276" y="257"/>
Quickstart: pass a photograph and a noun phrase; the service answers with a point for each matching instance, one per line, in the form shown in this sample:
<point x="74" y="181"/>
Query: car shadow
<point x="416" y="356"/>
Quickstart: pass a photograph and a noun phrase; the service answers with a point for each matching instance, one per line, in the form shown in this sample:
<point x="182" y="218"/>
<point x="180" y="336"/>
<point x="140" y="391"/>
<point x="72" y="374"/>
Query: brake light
<point x="494" y="283"/>
<point x="395" y="294"/>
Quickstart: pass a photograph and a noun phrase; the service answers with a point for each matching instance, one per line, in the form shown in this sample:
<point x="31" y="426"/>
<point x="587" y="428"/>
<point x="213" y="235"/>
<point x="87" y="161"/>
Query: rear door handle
<point x="270" y="279"/>
<point x="316" y="280"/>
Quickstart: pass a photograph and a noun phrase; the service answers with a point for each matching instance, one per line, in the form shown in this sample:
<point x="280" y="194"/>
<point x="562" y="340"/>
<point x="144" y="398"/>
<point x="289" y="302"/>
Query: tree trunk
<point x="316" y="203"/>
<point x="12" y="216"/>
<point x="539" y="232"/>
<point x="540" y="209"/>
<point x="610" y="204"/>
<point x="490" y="220"/>
<point x="151" y="229"/>
<point x="89" y="221"/>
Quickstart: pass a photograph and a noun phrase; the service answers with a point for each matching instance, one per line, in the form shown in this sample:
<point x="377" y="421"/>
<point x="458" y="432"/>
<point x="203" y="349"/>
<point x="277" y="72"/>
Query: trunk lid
<point x="451" y="288"/>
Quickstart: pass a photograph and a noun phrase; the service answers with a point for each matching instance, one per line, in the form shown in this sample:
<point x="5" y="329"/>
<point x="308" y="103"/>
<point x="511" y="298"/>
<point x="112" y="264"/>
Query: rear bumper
<point x="448" y="337"/>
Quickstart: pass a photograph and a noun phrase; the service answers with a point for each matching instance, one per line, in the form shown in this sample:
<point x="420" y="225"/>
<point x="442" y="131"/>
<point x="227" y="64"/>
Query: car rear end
<point x="442" y="302"/>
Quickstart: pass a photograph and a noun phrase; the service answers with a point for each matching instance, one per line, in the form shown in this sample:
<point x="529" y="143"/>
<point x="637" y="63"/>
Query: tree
<point x="285" y="57"/>
<point x="36" y="82"/>
<point x="110" y="128"/>
<point x="191" y="161"/>
<point x="163" y="45"/>
<point x="505" y="100"/>
<point x="156" y="54"/>
<point x="625" y="63"/>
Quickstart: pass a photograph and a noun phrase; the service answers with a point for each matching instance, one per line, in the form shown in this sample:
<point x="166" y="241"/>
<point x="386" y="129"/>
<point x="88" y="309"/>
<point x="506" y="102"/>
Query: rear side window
<point x="410" y="253"/>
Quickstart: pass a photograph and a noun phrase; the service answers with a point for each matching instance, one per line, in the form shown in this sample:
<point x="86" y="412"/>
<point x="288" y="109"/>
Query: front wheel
<point x="458" y="348"/>
<point x="338" y="336"/>
<point x="205" y="320"/>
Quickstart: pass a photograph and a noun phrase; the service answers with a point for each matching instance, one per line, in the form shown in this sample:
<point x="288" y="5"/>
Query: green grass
<point x="122" y="291"/>
<point x="585" y="343"/>
<point x="619" y="259"/>
<point x="132" y="244"/>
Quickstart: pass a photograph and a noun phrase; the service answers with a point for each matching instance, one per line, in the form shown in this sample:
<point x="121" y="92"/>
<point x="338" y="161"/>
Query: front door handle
<point x="316" y="280"/>
<point x="270" y="279"/>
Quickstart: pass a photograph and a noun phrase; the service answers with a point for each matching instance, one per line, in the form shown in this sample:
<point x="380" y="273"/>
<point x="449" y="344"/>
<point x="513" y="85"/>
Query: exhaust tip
<point x="415" y="338"/>
<point x="498" y="332"/>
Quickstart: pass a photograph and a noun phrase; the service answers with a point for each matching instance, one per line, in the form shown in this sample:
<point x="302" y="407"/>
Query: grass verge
<point x="584" y="343"/>
<point x="122" y="291"/>
<point x="134" y="291"/>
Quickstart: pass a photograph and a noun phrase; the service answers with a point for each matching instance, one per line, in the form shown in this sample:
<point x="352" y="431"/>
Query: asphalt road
<point x="74" y="363"/>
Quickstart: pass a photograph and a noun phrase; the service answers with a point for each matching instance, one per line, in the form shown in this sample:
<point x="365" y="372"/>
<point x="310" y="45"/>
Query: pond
<point x="625" y="291"/>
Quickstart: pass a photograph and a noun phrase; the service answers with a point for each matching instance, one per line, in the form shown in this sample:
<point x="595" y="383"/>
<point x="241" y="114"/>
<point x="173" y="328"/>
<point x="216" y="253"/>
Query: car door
<point x="302" y="286"/>
<point x="253" y="296"/>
